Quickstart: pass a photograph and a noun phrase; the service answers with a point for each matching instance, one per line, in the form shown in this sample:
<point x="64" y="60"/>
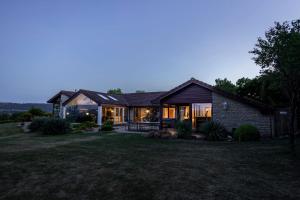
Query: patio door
<point x="184" y="112"/>
<point x="201" y="112"/>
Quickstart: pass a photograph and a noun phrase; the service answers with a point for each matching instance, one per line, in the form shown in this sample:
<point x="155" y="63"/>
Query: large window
<point x="114" y="114"/>
<point x="146" y="114"/>
<point x="201" y="112"/>
<point x="169" y="112"/>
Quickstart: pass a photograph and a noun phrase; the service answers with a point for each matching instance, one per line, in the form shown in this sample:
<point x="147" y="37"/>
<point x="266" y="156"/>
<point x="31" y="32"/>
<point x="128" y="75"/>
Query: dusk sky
<point x="46" y="46"/>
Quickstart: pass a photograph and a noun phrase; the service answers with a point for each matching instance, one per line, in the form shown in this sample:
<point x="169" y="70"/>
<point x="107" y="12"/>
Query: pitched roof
<point x="251" y="102"/>
<point x="179" y="87"/>
<point x="62" y="92"/>
<point x="100" y="97"/>
<point x="141" y="99"/>
<point x="154" y="98"/>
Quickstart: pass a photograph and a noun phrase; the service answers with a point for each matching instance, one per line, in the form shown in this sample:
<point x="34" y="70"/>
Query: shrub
<point x="16" y="116"/>
<point x="4" y="117"/>
<point x="49" y="126"/>
<point x="25" y="117"/>
<point x="246" y="132"/>
<point x="56" y="127"/>
<point x="85" y="126"/>
<point x="214" y="131"/>
<point x="36" y="112"/>
<point x="107" y="126"/>
<point x="37" y="124"/>
<point x="184" y="128"/>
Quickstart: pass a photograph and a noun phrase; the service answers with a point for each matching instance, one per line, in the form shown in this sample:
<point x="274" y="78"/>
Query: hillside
<point x="20" y="107"/>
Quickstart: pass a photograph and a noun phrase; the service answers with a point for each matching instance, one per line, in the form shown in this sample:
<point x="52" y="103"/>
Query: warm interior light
<point x="147" y="111"/>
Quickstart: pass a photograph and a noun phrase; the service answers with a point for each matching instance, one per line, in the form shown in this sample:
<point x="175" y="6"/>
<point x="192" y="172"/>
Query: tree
<point x="36" y="112"/>
<point x="140" y="91"/>
<point x="279" y="53"/>
<point x="225" y="84"/>
<point x="115" y="91"/>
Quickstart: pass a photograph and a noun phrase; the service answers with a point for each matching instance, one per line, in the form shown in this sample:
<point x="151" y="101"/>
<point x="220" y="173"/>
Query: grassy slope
<point x="132" y="167"/>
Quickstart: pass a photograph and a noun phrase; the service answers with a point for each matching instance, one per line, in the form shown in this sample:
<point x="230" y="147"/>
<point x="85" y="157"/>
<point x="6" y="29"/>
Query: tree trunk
<point x="293" y="108"/>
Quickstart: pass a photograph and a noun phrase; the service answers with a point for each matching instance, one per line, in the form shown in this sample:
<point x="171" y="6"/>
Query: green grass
<point x="9" y="129"/>
<point x="111" y="166"/>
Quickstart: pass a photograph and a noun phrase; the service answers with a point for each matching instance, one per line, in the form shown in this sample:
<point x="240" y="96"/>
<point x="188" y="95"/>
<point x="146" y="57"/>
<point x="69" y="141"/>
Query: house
<point x="193" y="100"/>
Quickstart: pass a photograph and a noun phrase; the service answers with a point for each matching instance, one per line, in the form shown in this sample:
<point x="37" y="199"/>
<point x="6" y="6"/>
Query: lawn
<point x="114" y="166"/>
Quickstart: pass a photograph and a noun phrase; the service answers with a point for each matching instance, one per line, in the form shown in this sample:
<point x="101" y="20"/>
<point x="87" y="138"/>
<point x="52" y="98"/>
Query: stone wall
<point x="238" y="113"/>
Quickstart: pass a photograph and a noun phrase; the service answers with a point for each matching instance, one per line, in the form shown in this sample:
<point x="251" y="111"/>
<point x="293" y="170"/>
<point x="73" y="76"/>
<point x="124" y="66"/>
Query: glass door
<point x="201" y="112"/>
<point x="184" y="112"/>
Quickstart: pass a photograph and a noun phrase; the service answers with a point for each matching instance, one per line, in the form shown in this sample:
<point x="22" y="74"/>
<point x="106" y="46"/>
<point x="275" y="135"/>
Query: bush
<point x="4" y="117"/>
<point x="16" y="116"/>
<point x="25" y="117"/>
<point x="214" y="131"/>
<point x="36" y="112"/>
<point x="56" y="127"/>
<point x="85" y="126"/>
<point x="107" y="126"/>
<point x="49" y="126"/>
<point x="246" y="132"/>
<point x="37" y="124"/>
<point x="184" y="128"/>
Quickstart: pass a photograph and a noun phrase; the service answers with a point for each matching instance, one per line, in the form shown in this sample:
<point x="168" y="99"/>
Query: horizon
<point x="153" y="46"/>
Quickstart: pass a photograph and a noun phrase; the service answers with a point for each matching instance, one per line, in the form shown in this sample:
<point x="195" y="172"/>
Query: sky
<point x="151" y="45"/>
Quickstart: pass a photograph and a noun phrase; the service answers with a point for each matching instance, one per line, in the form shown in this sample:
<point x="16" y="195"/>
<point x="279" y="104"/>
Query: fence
<point x="143" y="126"/>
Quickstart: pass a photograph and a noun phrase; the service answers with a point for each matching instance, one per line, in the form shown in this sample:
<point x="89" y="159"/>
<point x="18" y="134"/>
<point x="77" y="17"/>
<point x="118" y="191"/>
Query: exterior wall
<point x="191" y="94"/>
<point x="63" y="98"/>
<point x="238" y="113"/>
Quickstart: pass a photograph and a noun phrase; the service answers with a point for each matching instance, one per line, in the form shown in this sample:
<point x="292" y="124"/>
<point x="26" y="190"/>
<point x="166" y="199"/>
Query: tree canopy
<point x="115" y="91"/>
<point x="225" y="84"/>
<point x="279" y="54"/>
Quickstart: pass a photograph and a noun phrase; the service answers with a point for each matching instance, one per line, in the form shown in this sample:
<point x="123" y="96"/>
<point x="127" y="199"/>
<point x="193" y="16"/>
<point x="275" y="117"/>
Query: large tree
<point x="225" y="84"/>
<point x="279" y="53"/>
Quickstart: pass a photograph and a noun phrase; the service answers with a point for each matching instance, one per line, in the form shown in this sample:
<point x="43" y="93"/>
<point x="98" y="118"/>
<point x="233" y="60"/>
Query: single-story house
<point x="193" y="100"/>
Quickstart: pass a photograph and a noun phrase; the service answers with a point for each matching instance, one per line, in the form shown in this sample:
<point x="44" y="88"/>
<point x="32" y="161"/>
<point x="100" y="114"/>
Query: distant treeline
<point x="22" y="107"/>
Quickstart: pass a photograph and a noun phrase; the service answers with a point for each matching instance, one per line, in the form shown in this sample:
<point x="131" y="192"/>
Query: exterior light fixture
<point x="225" y="105"/>
<point x="87" y="113"/>
<point x="68" y="113"/>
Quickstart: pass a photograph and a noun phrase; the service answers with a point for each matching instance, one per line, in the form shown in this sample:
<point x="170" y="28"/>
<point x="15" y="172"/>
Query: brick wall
<point x="238" y="113"/>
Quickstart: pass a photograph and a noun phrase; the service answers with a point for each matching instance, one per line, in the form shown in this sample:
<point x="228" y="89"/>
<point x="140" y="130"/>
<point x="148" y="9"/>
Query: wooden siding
<point x="190" y="94"/>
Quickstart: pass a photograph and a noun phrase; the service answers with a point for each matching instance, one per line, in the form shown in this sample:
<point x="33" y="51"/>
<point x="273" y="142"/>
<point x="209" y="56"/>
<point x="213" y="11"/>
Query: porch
<point x="197" y="113"/>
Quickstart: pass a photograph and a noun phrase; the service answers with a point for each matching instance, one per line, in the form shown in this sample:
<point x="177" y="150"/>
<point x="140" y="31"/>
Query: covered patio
<point x="102" y="107"/>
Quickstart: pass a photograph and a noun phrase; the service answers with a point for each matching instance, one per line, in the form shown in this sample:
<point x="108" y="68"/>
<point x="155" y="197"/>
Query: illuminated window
<point x="172" y="113"/>
<point x="169" y="112"/>
<point x="165" y="113"/>
<point x="202" y="110"/>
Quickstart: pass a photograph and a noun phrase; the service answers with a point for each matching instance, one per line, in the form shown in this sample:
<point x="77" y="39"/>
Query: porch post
<point x="64" y="109"/>
<point x="191" y="114"/>
<point x="160" y="116"/>
<point x="123" y="115"/>
<point x="99" y="116"/>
